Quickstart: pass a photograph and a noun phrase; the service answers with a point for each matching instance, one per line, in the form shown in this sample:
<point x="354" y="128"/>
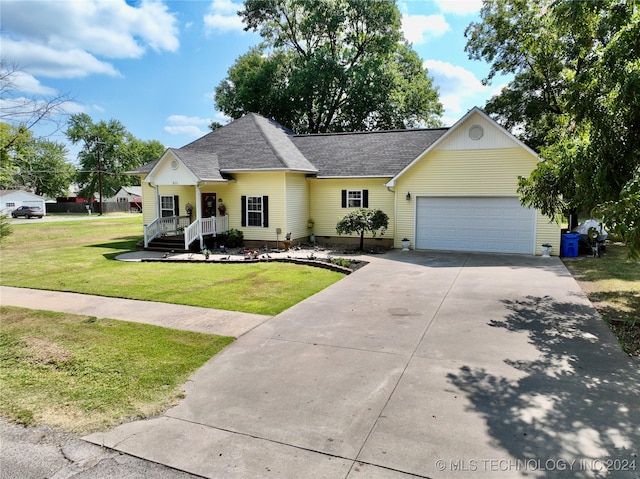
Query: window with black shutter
<point x="255" y="211"/>
<point x="355" y="198"/>
<point x="167" y="206"/>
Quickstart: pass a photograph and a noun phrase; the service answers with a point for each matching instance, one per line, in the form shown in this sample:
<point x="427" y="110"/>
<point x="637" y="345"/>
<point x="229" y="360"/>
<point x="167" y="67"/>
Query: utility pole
<point x="98" y="146"/>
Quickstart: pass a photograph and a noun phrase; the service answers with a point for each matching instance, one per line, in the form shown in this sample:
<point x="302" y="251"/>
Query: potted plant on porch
<point x="406" y="242"/>
<point x="310" y="223"/>
<point x="222" y="209"/>
<point x="287" y="242"/>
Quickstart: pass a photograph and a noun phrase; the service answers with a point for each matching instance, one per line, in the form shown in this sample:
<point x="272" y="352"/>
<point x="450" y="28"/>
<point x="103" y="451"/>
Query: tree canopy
<point x="109" y="151"/>
<point x="575" y="98"/>
<point x="339" y="65"/>
<point x="35" y="164"/>
<point x="361" y="221"/>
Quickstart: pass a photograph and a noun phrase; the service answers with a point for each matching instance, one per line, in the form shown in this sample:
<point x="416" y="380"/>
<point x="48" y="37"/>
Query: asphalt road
<point x="55" y="218"/>
<point x="39" y="452"/>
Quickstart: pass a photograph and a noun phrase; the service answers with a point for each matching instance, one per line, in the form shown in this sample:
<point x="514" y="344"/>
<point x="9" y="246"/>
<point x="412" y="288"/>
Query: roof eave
<point x="262" y="170"/>
<point x="348" y="177"/>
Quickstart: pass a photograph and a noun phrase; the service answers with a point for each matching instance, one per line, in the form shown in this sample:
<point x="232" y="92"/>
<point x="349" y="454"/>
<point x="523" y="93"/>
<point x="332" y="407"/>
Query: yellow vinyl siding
<point x="468" y="172"/>
<point x="186" y="194"/>
<point x="485" y="172"/>
<point x="149" y="204"/>
<point x="165" y="174"/>
<point x="271" y="184"/>
<point x="150" y="200"/>
<point x="493" y="137"/>
<point x="547" y="232"/>
<point x="297" y="206"/>
<point x="326" y="202"/>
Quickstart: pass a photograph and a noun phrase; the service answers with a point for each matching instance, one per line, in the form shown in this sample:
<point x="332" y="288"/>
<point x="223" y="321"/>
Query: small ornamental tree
<point x="361" y="221"/>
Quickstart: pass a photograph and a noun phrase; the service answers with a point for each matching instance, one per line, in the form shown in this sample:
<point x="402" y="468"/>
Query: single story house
<point x="131" y="195"/>
<point x="13" y="199"/>
<point x="442" y="188"/>
<point x="127" y="194"/>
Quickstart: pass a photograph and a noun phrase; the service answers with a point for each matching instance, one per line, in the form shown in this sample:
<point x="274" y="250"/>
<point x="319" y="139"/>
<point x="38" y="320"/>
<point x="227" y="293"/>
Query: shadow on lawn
<point x="124" y="244"/>
<point x="578" y="401"/>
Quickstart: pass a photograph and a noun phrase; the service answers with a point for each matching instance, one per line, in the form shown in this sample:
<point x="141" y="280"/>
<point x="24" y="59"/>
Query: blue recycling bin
<point x="569" y="245"/>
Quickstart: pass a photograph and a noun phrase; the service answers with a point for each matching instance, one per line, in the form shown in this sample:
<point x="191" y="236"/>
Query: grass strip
<point x="612" y="283"/>
<point x="83" y="374"/>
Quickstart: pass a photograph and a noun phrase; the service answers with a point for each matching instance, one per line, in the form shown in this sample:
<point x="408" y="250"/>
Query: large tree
<point x="575" y="97"/>
<point x="35" y="164"/>
<point x="329" y="65"/>
<point x="109" y="151"/>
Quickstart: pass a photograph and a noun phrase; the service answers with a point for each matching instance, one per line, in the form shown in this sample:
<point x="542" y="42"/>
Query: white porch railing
<point x="162" y="226"/>
<point x="177" y="224"/>
<point x="205" y="226"/>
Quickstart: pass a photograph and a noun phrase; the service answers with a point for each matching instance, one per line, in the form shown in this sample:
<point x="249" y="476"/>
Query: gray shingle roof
<point x="377" y="153"/>
<point x="254" y="142"/>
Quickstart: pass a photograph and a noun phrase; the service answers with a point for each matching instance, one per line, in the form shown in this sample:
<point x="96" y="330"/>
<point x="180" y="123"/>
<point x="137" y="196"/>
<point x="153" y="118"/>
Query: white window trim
<point x="162" y="208"/>
<point x="359" y="200"/>
<point x="249" y="210"/>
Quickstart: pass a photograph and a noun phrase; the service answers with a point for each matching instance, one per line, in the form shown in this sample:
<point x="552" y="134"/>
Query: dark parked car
<point x="28" y="212"/>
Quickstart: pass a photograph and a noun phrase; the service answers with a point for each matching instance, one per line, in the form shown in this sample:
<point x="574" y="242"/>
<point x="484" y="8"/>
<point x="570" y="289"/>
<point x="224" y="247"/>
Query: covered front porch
<point x="180" y="226"/>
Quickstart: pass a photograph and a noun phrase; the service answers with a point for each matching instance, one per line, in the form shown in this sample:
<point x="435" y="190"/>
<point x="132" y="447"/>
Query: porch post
<point x="199" y="213"/>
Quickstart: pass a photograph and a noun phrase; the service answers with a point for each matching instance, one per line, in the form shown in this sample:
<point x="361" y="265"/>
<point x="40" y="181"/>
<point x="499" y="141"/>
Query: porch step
<point x="168" y="243"/>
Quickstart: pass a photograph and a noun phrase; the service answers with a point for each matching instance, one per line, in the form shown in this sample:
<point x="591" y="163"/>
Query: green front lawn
<point x="78" y="256"/>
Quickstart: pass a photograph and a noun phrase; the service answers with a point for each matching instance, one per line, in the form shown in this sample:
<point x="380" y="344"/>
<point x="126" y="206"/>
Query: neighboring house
<point x="131" y="195"/>
<point x="444" y="188"/>
<point x="13" y="199"/>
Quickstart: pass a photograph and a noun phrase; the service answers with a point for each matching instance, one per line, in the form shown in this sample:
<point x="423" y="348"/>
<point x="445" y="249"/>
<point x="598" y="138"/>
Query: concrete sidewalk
<point x="188" y="318"/>
<point x="421" y="364"/>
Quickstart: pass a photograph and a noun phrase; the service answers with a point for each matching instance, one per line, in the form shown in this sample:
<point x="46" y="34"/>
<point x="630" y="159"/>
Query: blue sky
<point x="154" y="65"/>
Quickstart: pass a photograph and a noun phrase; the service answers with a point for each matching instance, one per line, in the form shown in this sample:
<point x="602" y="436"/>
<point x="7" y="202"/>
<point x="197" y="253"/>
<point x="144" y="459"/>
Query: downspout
<point x="395" y="213"/>
<point x="155" y="188"/>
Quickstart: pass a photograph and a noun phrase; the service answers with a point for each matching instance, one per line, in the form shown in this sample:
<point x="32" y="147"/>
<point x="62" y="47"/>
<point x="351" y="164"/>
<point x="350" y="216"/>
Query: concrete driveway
<point x="418" y="365"/>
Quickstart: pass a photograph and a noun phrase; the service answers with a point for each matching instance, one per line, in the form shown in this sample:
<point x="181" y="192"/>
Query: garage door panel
<point x="495" y="224"/>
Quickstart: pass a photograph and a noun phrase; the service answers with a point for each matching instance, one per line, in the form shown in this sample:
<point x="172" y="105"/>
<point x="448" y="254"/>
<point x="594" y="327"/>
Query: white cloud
<point x="419" y="28"/>
<point x="456" y="84"/>
<point x="65" y="39"/>
<point x="72" y="107"/>
<point x="187" y="125"/>
<point x="25" y="83"/>
<point x="43" y="60"/>
<point x="221" y="118"/>
<point x="223" y="16"/>
<point x="188" y="120"/>
<point x="459" y="7"/>
<point x="187" y="130"/>
<point x="498" y="89"/>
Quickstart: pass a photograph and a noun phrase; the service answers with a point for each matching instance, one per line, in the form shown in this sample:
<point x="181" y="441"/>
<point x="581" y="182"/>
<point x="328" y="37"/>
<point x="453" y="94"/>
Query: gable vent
<point x="476" y="132"/>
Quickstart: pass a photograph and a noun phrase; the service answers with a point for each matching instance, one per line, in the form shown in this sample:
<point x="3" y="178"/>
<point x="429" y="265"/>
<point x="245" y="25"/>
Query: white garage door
<point x="494" y="225"/>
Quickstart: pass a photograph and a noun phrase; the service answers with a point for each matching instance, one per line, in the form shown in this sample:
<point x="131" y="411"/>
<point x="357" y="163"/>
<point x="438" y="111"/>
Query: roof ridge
<point x="276" y="151"/>
<point x="344" y="133"/>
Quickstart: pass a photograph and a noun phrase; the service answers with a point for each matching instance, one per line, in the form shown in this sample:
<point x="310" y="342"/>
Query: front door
<point x="208" y="205"/>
